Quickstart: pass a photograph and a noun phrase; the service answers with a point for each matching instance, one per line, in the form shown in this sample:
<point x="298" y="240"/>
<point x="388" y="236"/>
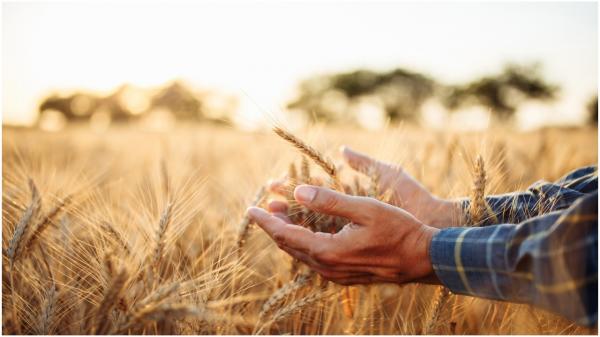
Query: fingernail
<point x="305" y="193"/>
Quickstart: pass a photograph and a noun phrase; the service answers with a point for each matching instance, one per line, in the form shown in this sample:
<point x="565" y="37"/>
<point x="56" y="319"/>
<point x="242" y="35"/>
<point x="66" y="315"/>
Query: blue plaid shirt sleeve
<point x="540" y="198"/>
<point x="549" y="260"/>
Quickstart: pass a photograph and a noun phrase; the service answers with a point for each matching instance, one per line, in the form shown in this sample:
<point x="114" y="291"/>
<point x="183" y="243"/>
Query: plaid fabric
<point x="548" y="259"/>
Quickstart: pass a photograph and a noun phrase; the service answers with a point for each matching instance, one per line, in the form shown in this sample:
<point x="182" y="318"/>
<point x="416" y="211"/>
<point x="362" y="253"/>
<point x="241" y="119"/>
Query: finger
<point x="361" y="210"/>
<point x="277" y="206"/>
<point x="266" y="221"/>
<point x="329" y="272"/>
<point x="296" y="237"/>
<point x="282" y="216"/>
<point x="363" y="163"/>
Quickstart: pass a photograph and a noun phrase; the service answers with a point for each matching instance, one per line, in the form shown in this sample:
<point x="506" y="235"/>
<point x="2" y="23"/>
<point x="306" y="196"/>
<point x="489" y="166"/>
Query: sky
<point x="261" y="50"/>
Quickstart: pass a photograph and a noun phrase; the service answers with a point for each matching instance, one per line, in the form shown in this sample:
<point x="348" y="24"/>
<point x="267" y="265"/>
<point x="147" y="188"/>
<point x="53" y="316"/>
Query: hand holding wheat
<point x="382" y="243"/>
<point x="405" y="192"/>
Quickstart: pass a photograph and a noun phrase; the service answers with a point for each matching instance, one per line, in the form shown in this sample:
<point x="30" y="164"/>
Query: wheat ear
<point x="479" y="209"/>
<point x="48" y="310"/>
<point x="16" y="243"/>
<point x="159" y="313"/>
<point x="45" y="222"/>
<point x="282" y="293"/>
<point x="293" y="308"/>
<point x="323" y="162"/>
<point x="159" y="295"/>
<point x="163" y="224"/>
<point x="295" y="210"/>
<point x="112" y="294"/>
<point x="244" y="225"/>
<point x="115" y="235"/>
<point x="441" y="296"/>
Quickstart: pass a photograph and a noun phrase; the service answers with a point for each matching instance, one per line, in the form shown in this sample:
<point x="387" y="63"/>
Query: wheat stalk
<point x="349" y="301"/>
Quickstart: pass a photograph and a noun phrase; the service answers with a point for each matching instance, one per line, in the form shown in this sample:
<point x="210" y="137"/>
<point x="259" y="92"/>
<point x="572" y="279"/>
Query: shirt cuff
<point x="470" y="260"/>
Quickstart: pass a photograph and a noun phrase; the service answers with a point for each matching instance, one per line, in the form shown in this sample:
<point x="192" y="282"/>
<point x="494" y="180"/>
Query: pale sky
<point x="260" y="50"/>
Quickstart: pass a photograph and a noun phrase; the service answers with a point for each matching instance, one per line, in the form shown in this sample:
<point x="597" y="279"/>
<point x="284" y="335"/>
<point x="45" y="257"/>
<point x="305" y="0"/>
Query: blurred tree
<point x="592" y="108"/>
<point x="328" y="97"/>
<point x="179" y="100"/>
<point x="78" y="106"/>
<point x="502" y="93"/>
<point x="128" y="103"/>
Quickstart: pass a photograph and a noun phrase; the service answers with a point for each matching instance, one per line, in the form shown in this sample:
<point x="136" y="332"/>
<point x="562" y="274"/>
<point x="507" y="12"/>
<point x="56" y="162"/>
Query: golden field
<point x="127" y="231"/>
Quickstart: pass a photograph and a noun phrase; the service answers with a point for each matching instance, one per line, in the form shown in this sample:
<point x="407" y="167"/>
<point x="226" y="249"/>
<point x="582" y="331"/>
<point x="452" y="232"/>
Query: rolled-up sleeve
<point x="540" y="198"/>
<point x="549" y="261"/>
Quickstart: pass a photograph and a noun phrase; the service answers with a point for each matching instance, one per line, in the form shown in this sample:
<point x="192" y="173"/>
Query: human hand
<point x="382" y="243"/>
<point x="406" y="192"/>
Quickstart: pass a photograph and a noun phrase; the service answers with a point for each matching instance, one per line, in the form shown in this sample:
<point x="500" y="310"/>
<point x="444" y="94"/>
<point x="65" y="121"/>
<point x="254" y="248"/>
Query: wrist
<point x="424" y="236"/>
<point x="444" y="213"/>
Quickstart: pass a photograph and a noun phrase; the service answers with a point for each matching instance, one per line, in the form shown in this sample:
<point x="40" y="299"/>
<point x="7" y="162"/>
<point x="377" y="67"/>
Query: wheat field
<point x="132" y="232"/>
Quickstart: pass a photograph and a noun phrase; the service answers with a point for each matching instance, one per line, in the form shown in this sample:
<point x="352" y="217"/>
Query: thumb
<point x="364" y="164"/>
<point x="360" y="210"/>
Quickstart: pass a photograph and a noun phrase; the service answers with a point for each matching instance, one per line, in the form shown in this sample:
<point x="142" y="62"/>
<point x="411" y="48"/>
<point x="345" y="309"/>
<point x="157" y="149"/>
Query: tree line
<point x="399" y="93"/>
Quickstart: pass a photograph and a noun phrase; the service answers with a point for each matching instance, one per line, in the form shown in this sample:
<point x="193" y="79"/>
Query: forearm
<point x="549" y="261"/>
